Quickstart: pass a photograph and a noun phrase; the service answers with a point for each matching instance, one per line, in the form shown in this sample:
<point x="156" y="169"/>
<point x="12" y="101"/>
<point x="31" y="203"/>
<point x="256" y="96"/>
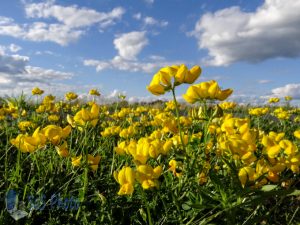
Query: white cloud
<point x="150" y="21"/>
<point x="16" y="75"/>
<point x="147" y="99"/>
<point x="129" y="45"/>
<point x="289" y="89"/>
<point x="47" y="52"/>
<point x="71" y="24"/>
<point x="39" y="31"/>
<point x="245" y="99"/>
<point x="2" y="50"/>
<point x="231" y="35"/>
<point x="10" y="28"/>
<point x="264" y="81"/>
<point x="72" y="16"/>
<point x="100" y="65"/>
<point x="41" y="74"/>
<point x="137" y="16"/>
<point x="14" y="48"/>
<point x="58" y="33"/>
<point x="13" y="64"/>
<point x="157" y="57"/>
<point x="115" y="93"/>
<point x="119" y="63"/>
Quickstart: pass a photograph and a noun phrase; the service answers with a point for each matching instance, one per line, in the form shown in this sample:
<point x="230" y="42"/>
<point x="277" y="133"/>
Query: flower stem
<point x="178" y="118"/>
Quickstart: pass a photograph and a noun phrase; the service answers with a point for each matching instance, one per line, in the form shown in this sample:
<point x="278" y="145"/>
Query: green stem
<point x="147" y="208"/>
<point x="85" y="174"/>
<point x="178" y="119"/>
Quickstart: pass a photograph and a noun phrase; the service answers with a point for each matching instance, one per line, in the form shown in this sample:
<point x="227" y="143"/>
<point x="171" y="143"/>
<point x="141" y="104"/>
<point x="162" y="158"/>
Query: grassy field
<point x="213" y="162"/>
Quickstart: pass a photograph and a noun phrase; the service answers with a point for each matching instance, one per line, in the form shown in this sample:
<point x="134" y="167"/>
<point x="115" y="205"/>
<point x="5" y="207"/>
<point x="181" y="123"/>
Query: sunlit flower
<point x="274" y="100"/>
<point x="125" y="177"/>
<point x="71" y="96"/>
<point x="209" y="90"/>
<point x="62" y="150"/>
<point x="93" y="161"/>
<point x="76" y="161"/>
<point x="170" y="76"/>
<point x="37" y="91"/>
<point x="94" y="92"/>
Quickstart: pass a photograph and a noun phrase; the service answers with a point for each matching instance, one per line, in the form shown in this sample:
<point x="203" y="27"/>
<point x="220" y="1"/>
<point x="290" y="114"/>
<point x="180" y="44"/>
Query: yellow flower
<point x="71" y="96"/>
<point x="246" y="173"/>
<point x="227" y="105"/>
<point x="76" y="160"/>
<point x="202" y="178"/>
<point x="206" y="90"/>
<point x="147" y="176"/>
<point x="297" y="134"/>
<point x="125" y="177"/>
<point x="192" y="75"/>
<point x="27" y="143"/>
<point x="53" y="118"/>
<point x="274" y="100"/>
<point x="174" y="167"/>
<point x="93" y="161"/>
<point x="162" y="80"/>
<point x="258" y="111"/>
<point x="23" y="125"/>
<point x="160" y="83"/>
<point x="288" y="98"/>
<point x="48" y="99"/>
<point x="55" y="133"/>
<point x="37" y="91"/>
<point x="62" y="150"/>
<point x="94" y="92"/>
<point x="85" y="116"/>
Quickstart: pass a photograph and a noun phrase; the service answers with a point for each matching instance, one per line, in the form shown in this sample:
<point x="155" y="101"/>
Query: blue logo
<point x="18" y="209"/>
<point x="12" y="205"/>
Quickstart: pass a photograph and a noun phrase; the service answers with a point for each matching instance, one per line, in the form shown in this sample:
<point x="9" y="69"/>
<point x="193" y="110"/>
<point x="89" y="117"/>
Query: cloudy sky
<point x="117" y="46"/>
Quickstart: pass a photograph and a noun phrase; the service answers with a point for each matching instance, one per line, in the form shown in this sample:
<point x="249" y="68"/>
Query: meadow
<point x="202" y="161"/>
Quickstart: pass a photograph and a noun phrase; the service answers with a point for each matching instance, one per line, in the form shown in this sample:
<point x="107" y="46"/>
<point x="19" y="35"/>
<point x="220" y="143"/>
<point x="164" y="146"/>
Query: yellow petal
<point x="193" y="74"/>
<point x="156" y="89"/>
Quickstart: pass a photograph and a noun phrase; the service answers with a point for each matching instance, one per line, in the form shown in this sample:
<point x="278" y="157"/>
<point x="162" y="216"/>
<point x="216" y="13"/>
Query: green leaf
<point x="295" y="193"/>
<point x="143" y="214"/>
<point x="268" y="187"/>
<point x="185" y="206"/>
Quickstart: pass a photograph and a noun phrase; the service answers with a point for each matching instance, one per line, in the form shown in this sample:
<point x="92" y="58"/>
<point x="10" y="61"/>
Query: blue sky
<point x="117" y="46"/>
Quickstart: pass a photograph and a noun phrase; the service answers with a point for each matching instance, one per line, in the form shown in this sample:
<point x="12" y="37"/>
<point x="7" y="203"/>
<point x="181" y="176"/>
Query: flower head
<point x="168" y="77"/>
<point x="37" y="91"/>
<point x="206" y="90"/>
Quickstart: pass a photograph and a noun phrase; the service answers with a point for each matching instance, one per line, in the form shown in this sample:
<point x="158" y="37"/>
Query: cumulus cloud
<point x="12" y="48"/>
<point x="40" y="31"/>
<point x="129" y="45"/>
<point x="71" y="22"/>
<point x="13" y="64"/>
<point x="17" y="76"/>
<point x="231" y="35"/>
<point x="289" y="89"/>
<point x="119" y="63"/>
<point x="150" y="21"/>
<point x="73" y="16"/>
